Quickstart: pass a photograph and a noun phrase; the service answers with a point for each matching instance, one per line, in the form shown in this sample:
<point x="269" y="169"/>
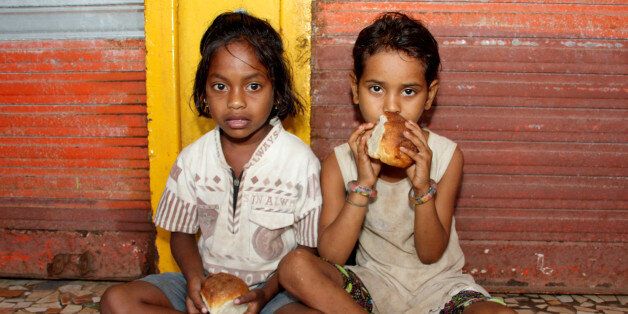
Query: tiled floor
<point x="38" y="296"/>
<point x="545" y="303"/>
<point x="55" y="296"/>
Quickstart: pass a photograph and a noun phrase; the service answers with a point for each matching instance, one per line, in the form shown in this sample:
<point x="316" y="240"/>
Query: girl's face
<point x="239" y="93"/>
<point x="393" y="81"/>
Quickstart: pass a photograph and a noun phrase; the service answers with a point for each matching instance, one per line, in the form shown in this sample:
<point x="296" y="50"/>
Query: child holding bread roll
<point x="240" y="197"/>
<point x="391" y="190"/>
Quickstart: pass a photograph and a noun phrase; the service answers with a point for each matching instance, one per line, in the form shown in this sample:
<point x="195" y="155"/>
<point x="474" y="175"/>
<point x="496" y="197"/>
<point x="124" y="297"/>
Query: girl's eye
<point x="376" y="89"/>
<point x="408" y="92"/>
<point x="219" y="86"/>
<point x="254" y="86"/>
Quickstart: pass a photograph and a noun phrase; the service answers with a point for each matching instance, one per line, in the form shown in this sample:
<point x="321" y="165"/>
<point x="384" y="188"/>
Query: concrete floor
<point x="63" y="296"/>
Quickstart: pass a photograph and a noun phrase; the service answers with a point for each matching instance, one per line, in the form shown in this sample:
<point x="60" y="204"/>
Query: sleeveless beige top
<point x="386" y="258"/>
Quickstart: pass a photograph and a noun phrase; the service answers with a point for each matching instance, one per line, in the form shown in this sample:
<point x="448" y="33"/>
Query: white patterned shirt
<point x="277" y="205"/>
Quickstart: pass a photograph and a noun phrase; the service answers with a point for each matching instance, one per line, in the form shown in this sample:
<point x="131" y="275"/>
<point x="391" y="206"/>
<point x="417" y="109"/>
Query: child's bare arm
<point x="340" y="224"/>
<point x="342" y="217"/>
<point x="432" y="220"/>
<point x="185" y="253"/>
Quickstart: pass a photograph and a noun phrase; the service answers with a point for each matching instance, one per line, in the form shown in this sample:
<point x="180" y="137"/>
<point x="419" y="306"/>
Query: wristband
<point x="353" y="186"/>
<point x="422" y="199"/>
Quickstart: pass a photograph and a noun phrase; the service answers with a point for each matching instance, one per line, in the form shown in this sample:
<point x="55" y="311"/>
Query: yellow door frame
<point x="173" y="31"/>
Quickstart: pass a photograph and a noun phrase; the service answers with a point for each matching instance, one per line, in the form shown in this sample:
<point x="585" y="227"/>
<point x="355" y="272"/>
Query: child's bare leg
<point x="296" y="308"/>
<point x="135" y="297"/>
<point x="488" y="307"/>
<point x="316" y="283"/>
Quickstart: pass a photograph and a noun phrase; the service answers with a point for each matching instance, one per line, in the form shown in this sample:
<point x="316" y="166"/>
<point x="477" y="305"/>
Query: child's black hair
<point x="232" y="27"/>
<point x="397" y="32"/>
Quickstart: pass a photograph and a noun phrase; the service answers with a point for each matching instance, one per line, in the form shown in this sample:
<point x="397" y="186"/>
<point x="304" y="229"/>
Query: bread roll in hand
<point x="387" y="138"/>
<point x="218" y="292"/>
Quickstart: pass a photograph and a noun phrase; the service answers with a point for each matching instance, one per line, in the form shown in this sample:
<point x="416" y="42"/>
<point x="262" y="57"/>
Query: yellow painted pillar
<point x="162" y="99"/>
<point x="296" y="31"/>
<point x="173" y="32"/>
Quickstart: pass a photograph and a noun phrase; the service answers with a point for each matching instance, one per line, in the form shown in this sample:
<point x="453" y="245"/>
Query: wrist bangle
<point x="353" y="186"/>
<point x="425" y="197"/>
<point x="354" y="204"/>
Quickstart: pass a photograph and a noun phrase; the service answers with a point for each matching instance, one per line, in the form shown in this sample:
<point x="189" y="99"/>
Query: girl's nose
<point x="236" y="101"/>
<point x="391" y="103"/>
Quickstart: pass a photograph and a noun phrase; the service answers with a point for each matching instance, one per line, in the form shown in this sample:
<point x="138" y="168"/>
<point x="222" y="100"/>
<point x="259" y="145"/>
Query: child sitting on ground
<point x="251" y="187"/>
<point x="408" y="258"/>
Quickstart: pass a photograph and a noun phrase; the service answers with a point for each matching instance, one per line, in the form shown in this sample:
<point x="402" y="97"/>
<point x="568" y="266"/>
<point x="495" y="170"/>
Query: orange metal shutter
<point x="74" y="197"/>
<point x="535" y="94"/>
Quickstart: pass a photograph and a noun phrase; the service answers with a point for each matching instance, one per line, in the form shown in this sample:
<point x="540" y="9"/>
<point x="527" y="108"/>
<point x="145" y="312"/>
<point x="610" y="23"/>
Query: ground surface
<point x="62" y="296"/>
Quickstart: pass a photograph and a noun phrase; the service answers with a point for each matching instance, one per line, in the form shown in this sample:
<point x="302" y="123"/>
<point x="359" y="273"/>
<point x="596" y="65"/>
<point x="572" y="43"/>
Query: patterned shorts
<point x="465" y="298"/>
<point x="354" y="286"/>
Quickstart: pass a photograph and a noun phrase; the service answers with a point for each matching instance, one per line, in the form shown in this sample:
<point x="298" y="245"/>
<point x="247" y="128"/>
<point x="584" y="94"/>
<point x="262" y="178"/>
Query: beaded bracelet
<point x="422" y="199"/>
<point x="353" y="186"/>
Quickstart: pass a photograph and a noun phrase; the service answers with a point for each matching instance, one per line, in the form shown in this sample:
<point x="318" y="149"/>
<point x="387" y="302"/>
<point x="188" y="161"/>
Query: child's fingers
<point x="248" y="297"/>
<point x="415" y="128"/>
<point x="421" y="158"/>
<point x="200" y="305"/>
<point x="412" y="154"/>
<point x="410" y="171"/>
<point x="376" y="165"/>
<point x="354" y="135"/>
<point x="359" y="131"/>
<point x="193" y="308"/>
<point x="416" y="131"/>
<point x="195" y="303"/>
<point x="362" y="147"/>
<point x="359" y="149"/>
<point x="416" y="140"/>
<point x="359" y="146"/>
<point x="252" y="309"/>
<point x="419" y="171"/>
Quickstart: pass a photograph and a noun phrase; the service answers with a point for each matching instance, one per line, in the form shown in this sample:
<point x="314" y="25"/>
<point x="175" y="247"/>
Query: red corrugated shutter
<point x="74" y="198"/>
<point x="535" y="95"/>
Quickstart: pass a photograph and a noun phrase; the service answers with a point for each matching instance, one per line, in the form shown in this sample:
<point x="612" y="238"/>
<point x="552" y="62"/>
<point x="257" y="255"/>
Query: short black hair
<point x="397" y="32"/>
<point x="232" y="27"/>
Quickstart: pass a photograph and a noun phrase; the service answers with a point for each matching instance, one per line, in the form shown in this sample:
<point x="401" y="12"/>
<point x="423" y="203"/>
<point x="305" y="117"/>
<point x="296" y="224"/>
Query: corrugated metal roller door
<point x="74" y="198"/>
<point x="535" y="94"/>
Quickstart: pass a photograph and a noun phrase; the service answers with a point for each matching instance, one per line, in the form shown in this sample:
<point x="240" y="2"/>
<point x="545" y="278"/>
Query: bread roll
<point x="218" y="292"/>
<point x="386" y="139"/>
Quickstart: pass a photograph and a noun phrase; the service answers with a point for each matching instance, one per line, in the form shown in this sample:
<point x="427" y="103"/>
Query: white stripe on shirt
<point x="307" y="232"/>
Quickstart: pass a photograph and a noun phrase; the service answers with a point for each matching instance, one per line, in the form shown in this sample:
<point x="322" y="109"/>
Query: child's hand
<point x="256" y="299"/>
<point x="368" y="169"/>
<point x="419" y="173"/>
<point x="194" y="302"/>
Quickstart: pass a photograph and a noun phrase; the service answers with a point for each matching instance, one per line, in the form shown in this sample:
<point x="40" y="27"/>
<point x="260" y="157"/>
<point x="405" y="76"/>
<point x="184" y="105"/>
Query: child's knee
<point x="112" y="298"/>
<point x="506" y="310"/>
<point x="296" y="261"/>
<point x="501" y="310"/>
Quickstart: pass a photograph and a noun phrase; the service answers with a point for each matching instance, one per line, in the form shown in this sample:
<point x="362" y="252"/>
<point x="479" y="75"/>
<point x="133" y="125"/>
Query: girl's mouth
<point x="237" y="123"/>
